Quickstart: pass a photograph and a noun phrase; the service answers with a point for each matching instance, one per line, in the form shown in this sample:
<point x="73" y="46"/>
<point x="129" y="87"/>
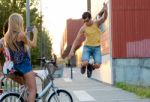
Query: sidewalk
<point x="85" y="89"/>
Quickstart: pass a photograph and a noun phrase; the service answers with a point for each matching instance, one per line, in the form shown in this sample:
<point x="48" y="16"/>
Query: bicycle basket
<point x="55" y="71"/>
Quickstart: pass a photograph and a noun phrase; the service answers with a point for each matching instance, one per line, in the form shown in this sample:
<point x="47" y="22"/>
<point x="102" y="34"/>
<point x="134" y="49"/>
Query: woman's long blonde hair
<point x="15" y="26"/>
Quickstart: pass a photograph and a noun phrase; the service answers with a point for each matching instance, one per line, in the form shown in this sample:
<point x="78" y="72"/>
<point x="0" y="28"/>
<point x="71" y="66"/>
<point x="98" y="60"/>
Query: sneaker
<point x="83" y="69"/>
<point x="89" y="70"/>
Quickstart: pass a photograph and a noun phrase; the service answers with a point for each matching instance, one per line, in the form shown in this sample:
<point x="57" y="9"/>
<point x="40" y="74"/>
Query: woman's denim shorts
<point x="24" y="67"/>
<point x="92" y="51"/>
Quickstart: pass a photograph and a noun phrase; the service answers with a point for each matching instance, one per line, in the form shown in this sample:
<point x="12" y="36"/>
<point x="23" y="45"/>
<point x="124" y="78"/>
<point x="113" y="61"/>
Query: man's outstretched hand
<point x="104" y="6"/>
<point x="71" y="54"/>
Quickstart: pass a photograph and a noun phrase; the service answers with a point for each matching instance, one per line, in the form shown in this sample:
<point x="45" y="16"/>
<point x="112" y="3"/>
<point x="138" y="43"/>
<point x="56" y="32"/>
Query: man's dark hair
<point x="86" y="15"/>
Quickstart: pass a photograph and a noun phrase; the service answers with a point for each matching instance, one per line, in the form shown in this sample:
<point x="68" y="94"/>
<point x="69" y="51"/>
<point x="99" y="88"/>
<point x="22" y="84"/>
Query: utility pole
<point x="28" y="19"/>
<point x="41" y="38"/>
<point x="89" y="5"/>
<point x="28" y="14"/>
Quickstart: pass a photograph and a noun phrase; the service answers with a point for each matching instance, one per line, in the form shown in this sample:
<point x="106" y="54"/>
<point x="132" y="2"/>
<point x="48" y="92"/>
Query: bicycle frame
<point x="43" y="92"/>
<point x="48" y="86"/>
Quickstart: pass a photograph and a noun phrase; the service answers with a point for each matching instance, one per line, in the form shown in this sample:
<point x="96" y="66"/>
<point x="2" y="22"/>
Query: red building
<point x="72" y="29"/>
<point x="130" y="28"/>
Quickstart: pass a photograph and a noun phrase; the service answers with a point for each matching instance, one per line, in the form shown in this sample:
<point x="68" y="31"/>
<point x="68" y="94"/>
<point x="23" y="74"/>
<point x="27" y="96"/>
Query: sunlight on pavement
<point x="67" y="79"/>
<point x="83" y="96"/>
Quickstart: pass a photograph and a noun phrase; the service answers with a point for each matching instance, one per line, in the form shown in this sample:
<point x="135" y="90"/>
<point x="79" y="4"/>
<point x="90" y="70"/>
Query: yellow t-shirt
<point x="92" y="35"/>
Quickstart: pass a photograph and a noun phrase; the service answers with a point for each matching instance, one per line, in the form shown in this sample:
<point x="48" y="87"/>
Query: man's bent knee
<point x="96" y="66"/>
<point x="84" y="64"/>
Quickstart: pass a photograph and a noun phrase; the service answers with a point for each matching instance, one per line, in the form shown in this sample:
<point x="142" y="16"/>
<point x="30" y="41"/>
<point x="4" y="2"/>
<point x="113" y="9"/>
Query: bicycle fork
<point x="56" y="95"/>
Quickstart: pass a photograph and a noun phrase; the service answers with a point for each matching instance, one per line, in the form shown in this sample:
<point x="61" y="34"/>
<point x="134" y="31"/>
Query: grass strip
<point x="143" y="92"/>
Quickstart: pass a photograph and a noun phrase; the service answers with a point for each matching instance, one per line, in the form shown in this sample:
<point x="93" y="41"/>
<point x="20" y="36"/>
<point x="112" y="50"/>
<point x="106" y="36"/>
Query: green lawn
<point x="143" y="92"/>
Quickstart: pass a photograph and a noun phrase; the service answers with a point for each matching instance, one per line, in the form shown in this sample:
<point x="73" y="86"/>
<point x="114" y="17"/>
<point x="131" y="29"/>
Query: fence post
<point x="71" y="70"/>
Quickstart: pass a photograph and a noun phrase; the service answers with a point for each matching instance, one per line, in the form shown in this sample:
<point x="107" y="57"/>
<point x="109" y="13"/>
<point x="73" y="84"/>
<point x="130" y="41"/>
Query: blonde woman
<point x="15" y="39"/>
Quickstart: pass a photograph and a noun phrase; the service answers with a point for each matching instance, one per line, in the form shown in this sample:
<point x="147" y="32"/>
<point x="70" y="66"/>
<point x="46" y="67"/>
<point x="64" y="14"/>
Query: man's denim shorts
<point x="92" y="51"/>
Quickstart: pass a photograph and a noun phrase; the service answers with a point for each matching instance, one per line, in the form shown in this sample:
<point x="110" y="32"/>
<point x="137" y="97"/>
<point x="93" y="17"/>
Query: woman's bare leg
<point x="31" y="84"/>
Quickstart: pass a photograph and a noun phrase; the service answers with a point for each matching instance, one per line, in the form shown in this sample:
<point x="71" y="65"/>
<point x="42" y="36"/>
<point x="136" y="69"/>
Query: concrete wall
<point x="132" y="71"/>
<point x="105" y="73"/>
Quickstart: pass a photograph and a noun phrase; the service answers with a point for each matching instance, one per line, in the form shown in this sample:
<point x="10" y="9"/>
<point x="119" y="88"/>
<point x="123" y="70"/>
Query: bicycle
<point x="58" y="95"/>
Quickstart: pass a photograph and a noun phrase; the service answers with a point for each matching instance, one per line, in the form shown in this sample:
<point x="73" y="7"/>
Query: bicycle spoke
<point x="12" y="99"/>
<point x="56" y="98"/>
<point x="60" y="96"/>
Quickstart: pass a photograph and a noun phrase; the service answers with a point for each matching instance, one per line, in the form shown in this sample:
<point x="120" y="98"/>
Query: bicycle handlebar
<point x="45" y="61"/>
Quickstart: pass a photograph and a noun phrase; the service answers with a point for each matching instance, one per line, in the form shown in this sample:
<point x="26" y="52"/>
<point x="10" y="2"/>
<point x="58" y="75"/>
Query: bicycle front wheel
<point x="11" y="97"/>
<point x="60" y="96"/>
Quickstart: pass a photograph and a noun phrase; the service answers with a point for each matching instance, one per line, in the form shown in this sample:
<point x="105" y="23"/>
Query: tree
<point x="44" y="48"/>
<point x="8" y="7"/>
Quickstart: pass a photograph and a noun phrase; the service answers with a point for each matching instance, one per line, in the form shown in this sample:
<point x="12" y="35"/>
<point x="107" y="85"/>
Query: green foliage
<point x="44" y="48"/>
<point x="8" y="7"/>
<point x="144" y="92"/>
